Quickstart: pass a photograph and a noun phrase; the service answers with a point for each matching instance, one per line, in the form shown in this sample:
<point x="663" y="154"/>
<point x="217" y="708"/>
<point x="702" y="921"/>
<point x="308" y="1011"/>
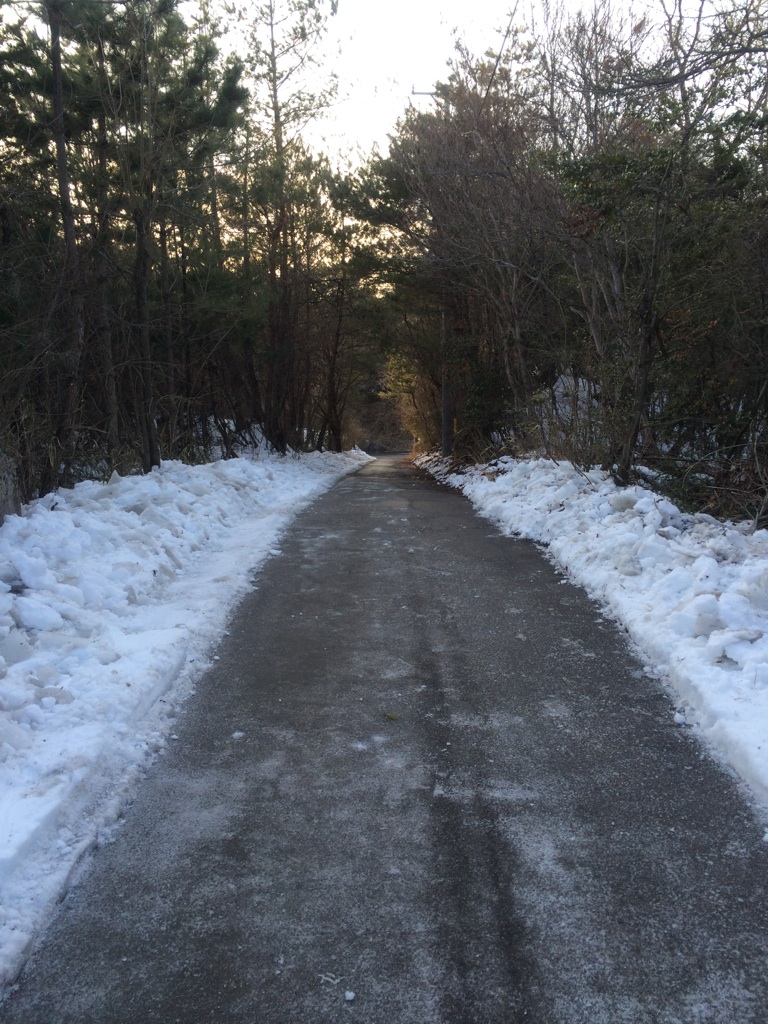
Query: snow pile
<point x="691" y="591"/>
<point x="110" y="596"/>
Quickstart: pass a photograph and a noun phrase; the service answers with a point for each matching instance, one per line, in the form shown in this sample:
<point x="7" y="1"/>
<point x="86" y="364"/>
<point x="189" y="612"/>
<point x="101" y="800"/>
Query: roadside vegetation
<point x="567" y="253"/>
<point x="584" y="219"/>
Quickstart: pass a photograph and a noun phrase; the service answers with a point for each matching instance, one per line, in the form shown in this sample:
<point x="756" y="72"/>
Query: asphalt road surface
<point x="425" y="782"/>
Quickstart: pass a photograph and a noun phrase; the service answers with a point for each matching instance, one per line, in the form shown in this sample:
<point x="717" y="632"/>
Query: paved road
<point x="427" y="772"/>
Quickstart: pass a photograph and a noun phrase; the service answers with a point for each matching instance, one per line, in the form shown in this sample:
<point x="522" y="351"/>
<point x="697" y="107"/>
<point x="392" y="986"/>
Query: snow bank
<point x="691" y="591"/>
<point x="110" y="597"/>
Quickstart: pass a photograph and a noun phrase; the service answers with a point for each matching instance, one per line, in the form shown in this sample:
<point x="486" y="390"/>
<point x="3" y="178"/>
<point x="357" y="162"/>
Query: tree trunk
<point x="446" y="393"/>
<point x="640" y="395"/>
<point x="150" y="449"/>
<point x="171" y="400"/>
<point x="75" y="328"/>
<point x="102" y="304"/>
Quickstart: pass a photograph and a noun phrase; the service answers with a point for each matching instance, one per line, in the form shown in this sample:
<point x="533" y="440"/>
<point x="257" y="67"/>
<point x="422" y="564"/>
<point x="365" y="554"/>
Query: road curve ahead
<point x="426" y="783"/>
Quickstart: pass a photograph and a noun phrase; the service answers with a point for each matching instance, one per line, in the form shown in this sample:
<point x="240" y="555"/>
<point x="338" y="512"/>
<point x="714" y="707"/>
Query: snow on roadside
<point x="111" y="595"/>
<point x="691" y="591"/>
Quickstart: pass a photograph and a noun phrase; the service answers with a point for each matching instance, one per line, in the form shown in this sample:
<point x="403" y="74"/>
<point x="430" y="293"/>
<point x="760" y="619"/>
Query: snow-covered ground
<point x="111" y="597"/>
<point x="692" y="592"/>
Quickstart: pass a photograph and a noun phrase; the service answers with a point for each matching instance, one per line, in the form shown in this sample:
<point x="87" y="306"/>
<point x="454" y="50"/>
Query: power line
<point x="498" y="58"/>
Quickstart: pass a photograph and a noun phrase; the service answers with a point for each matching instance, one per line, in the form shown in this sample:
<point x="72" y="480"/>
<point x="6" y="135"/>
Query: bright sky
<point x="383" y="51"/>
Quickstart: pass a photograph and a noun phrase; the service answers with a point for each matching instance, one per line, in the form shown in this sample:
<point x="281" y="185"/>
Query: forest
<point x="565" y="252"/>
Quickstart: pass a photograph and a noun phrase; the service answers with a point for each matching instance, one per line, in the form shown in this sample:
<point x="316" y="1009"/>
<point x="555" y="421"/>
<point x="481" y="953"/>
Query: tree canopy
<point x="587" y="213"/>
<point x="565" y="253"/>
